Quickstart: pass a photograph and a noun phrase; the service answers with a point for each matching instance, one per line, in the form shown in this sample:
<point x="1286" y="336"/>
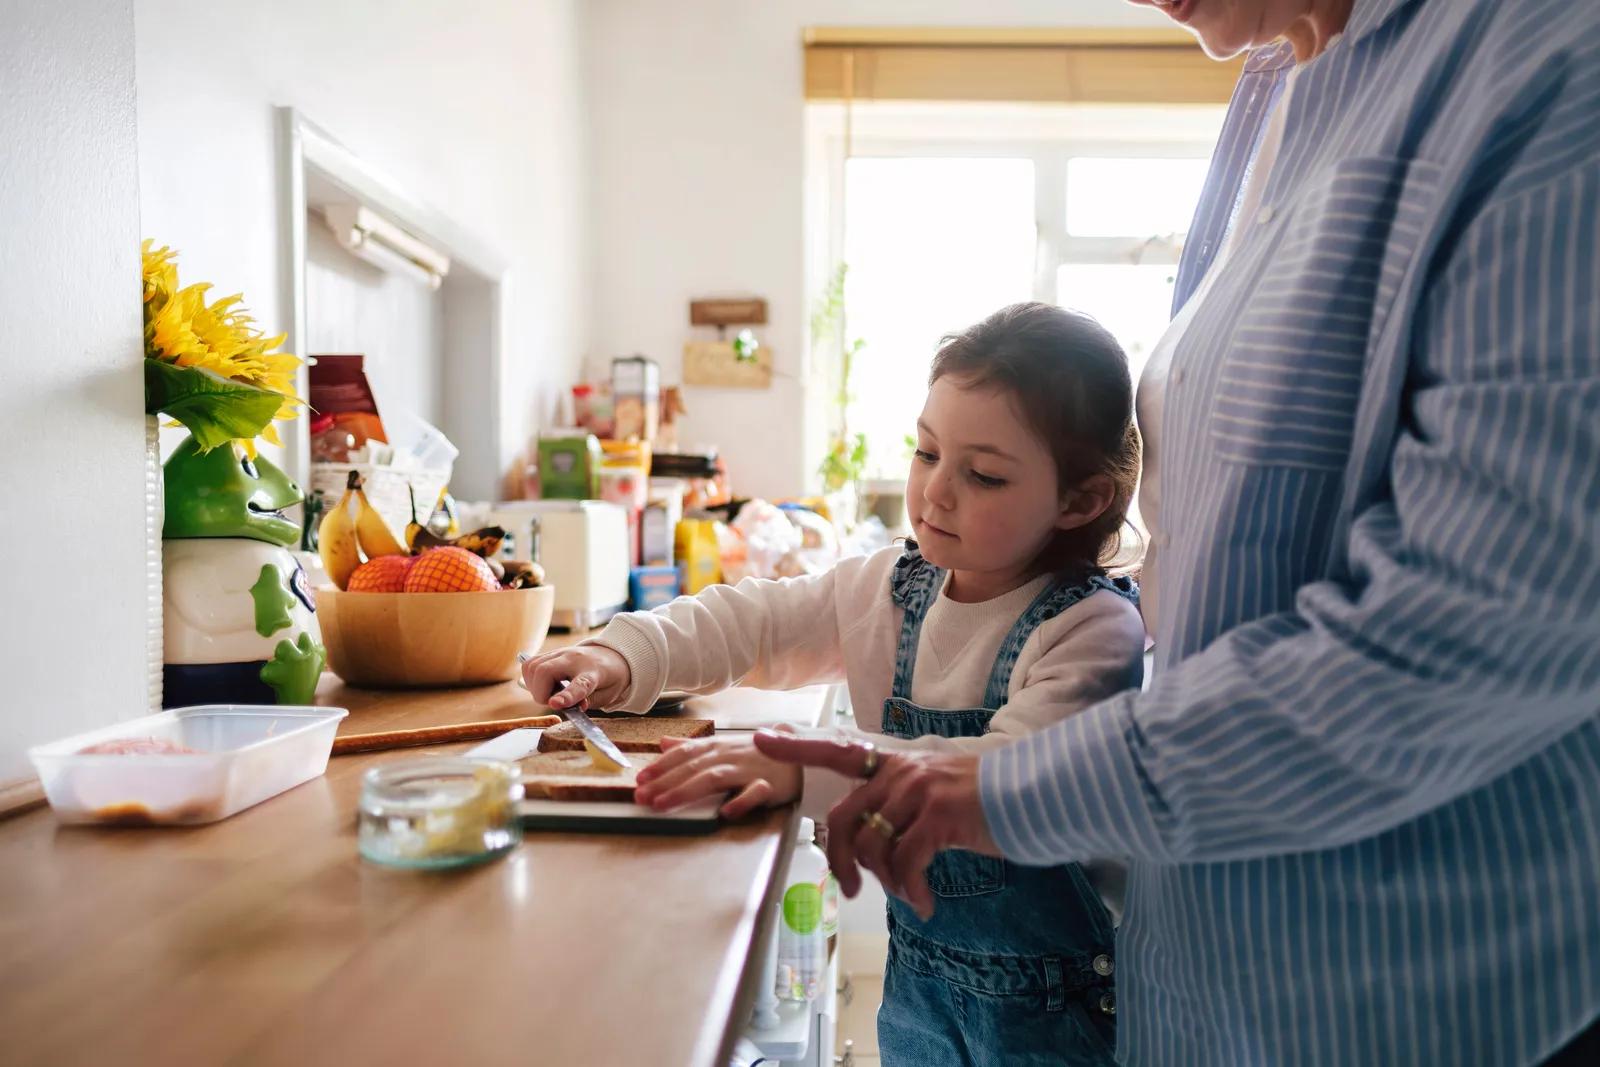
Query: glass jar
<point x="439" y="811"/>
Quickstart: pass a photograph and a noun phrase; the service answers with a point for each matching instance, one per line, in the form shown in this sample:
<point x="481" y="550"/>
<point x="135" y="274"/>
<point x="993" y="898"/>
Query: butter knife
<point x="585" y="726"/>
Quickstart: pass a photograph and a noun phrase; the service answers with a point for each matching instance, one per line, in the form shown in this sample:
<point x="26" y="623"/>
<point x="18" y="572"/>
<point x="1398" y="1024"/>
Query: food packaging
<point x="635" y="397"/>
<point x="569" y="465"/>
<point x="652" y="587"/>
<point x="698" y="554"/>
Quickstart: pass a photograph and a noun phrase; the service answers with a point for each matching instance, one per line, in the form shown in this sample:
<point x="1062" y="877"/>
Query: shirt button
<point x="897" y="716"/>
<point x="1108" y="1003"/>
<point x="1266" y="213"/>
<point x="1177" y="376"/>
<point x="1103" y="966"/>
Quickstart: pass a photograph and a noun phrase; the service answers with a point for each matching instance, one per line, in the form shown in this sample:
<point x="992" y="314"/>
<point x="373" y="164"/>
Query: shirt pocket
<point x="1290" y="380"/>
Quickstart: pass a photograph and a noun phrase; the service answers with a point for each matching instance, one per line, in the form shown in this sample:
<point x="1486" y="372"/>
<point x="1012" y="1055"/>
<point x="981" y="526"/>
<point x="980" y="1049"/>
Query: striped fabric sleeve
<point x="1465" y="637"/>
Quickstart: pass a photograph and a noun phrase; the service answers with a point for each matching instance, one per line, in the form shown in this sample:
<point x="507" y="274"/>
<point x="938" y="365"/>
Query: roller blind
<point x="1014" y="65"/>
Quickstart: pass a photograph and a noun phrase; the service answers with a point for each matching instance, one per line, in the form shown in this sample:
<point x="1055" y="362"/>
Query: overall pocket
<point x="956" y="872"/>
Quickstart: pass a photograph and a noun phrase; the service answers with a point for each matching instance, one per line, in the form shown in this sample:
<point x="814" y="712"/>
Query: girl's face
<point x="982" y="494"/>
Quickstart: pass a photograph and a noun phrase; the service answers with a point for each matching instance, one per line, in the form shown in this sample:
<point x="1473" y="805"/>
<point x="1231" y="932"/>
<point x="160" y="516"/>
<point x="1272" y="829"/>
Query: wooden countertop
<point x="265" y="939"/>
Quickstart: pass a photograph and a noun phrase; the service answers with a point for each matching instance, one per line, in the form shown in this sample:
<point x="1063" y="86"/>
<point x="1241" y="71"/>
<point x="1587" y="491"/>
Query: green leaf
<point x="215" y="409"/>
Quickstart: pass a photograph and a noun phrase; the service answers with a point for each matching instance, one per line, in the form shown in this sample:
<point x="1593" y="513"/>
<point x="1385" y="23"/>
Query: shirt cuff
<point x="1073" y="792"/>
<point x="646" y="669"/>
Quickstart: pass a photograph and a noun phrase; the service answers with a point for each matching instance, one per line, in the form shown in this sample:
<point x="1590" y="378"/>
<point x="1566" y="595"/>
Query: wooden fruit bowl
<point x="420" y="640"/>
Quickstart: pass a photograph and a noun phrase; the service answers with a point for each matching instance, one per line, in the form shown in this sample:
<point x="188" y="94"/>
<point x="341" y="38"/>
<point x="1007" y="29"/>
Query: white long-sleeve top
<point x="843" y="625"/>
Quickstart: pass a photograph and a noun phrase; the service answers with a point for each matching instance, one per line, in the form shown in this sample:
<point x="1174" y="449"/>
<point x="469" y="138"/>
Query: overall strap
<point x="1051" y="601"/>
<point x="914" y="585"/>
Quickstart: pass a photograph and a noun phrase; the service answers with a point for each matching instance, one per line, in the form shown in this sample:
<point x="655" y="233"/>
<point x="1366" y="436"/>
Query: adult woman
<point x="1361" y="798"/>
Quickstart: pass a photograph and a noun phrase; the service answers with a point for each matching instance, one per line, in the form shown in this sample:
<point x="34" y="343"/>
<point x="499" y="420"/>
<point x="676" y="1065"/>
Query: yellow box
<point x="696" y="543"/>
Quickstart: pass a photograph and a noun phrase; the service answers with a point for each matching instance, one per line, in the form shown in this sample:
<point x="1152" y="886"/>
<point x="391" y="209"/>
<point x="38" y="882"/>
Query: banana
<point x="373" y="533"/>
<point x="337" y="542"/>
<point x="484" y="542"/>
<point x="520" y="574"/>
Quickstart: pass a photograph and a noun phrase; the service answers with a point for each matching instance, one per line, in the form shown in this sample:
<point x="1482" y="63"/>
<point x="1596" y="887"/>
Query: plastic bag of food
<point x="769" y="536"/>
<point x="819" y="542"/>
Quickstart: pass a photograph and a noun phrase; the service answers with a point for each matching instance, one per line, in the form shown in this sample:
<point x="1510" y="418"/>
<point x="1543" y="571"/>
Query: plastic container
<point x="245" y="754"/>
<point x="419" y="443"/>
<point x="802" y="949"/>
<point x="439" y="812"/>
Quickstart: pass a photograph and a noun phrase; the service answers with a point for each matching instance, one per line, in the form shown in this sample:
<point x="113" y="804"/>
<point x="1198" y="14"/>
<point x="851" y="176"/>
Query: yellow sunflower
<point x="220" y="337"/>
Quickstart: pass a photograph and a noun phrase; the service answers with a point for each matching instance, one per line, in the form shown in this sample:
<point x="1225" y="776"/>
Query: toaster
<point x="584" y="548"/>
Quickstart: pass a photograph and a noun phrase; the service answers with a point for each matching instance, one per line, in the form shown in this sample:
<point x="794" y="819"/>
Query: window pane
<point x="1132" y="197"/>
<point x="1133" y="301"/>
<point x="933" y="245"/>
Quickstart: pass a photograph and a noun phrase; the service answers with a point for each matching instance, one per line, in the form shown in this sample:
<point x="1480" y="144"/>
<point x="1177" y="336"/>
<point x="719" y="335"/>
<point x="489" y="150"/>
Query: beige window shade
<point x="1023" y="66"/>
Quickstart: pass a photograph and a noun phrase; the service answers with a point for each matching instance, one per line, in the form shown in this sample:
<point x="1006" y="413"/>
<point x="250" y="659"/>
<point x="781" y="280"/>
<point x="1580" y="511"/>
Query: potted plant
<point x="845" y="460"/>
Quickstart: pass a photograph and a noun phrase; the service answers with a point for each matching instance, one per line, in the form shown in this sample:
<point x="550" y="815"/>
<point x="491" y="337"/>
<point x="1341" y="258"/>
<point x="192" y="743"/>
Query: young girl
<point x="997" y="620"/>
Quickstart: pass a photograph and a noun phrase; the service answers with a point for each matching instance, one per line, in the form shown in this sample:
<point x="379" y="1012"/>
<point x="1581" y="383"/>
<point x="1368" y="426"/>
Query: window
<point x="946" y="212"/>
<point x="932" y="243"/>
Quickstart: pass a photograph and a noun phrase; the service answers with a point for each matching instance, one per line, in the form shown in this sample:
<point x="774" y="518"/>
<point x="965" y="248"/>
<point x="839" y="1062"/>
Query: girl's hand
<point x="692" y="769"/>
<point x="908" y="807"/>
<point x="592" y="674"/>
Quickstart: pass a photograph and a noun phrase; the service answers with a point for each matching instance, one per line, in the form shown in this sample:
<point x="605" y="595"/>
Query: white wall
<point x="475" y="109"/>
<point x="353" y="306"/>
<point x="698" y="173"/>
<point x="71" y="380"/>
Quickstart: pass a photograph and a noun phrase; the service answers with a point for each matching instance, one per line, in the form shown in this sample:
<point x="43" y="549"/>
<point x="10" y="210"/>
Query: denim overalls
<point x="1014" y="967"/>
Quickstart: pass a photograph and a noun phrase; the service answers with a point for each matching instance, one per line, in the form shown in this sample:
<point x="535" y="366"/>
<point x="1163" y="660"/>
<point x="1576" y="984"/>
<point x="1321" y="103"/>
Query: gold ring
<point x="879" y="823"/>
<point x="870" y="767"/>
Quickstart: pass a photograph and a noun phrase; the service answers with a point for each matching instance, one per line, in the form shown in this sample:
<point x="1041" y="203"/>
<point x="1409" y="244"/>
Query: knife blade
<point x="595" y="736"/>
<point x="585" y="726"/>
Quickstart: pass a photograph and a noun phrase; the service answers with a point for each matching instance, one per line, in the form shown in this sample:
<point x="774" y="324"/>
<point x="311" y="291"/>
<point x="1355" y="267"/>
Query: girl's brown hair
<point x="1069" y="378"/>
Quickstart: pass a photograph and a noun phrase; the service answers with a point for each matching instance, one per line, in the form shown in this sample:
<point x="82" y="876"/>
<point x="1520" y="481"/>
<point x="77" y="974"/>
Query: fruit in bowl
<point x="426" y="611"/>
<point x="410" y="640"/>
<point x="362" y="555"/>
<point x="385" y="574"/>
<point x="450" y="570"/>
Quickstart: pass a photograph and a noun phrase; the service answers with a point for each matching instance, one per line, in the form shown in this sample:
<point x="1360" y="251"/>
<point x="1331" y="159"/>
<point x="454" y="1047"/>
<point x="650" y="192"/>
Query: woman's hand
<point x="591" y="674"/>
<point x="909" y="806"/>
<point x="689" y="770"/>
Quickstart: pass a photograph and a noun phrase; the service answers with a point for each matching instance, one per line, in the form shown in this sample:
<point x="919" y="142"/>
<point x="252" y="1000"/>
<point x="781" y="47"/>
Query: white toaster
<point x="583" y="547"/>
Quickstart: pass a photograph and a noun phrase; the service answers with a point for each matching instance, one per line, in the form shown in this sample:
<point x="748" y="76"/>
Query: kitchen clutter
<point x="624" y="517"/>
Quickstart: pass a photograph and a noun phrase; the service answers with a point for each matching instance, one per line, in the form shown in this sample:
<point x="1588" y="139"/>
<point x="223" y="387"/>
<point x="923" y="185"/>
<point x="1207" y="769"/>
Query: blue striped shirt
<point x="1361" y="798"/>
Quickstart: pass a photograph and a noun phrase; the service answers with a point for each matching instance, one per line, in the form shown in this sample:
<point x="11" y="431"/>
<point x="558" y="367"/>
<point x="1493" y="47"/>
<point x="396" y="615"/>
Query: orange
<point x="450" y="570"/>
<point x="385" y="574"/>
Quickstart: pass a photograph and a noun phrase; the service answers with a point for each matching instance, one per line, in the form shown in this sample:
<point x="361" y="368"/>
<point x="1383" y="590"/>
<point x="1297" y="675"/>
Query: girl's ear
<point x="1087" y="502"/>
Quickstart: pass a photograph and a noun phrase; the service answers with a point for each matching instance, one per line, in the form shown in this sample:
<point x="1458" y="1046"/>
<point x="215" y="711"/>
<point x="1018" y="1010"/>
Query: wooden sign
<point x="741" y="312"/>
<point x="716" y="363"/>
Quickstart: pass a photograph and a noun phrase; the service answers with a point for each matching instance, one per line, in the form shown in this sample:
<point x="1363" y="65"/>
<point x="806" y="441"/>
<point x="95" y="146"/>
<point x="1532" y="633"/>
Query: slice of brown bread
<point x="572" y="775"/>
<point x="631" y="735"/>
